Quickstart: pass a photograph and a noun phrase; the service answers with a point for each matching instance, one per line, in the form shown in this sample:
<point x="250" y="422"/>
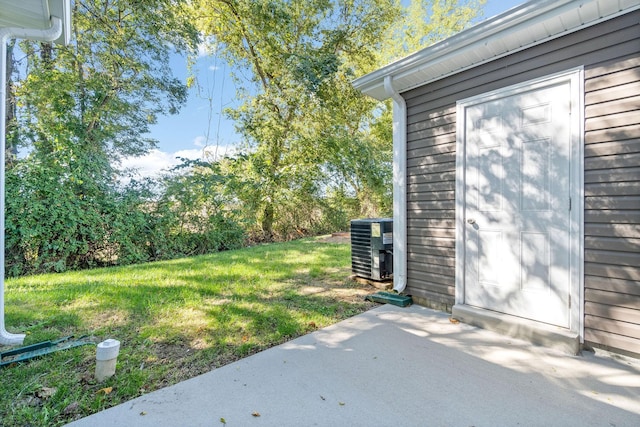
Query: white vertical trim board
<point x="577" y="197"/>
<point x="460" y="204"/>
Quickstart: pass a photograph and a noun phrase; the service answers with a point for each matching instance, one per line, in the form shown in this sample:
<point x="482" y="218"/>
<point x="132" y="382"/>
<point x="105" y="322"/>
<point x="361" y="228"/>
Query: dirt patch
<point x="350" y="292"/>
<point x="336" y="238"/>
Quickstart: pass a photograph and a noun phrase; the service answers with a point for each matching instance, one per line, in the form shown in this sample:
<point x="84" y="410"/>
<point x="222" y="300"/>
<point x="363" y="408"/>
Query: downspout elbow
<point x="46" y="35"/>
<point x="399" y="186"/>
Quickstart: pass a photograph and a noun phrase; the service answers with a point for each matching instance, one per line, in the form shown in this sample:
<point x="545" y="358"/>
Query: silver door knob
<point x="471" y="221"/>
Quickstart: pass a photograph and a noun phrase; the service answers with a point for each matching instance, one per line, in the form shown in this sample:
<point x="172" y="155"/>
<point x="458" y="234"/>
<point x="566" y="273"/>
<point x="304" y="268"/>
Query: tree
<point x="80" y="109"/>
<point x="425" y="22"/>
<point x="10" y="118"/>
<point x="112" y="81"/>
<point x="316" y="152"/>
<point x="194" y="215"/>
<point x="307" y="130"/>
<point x="291" y="49"/>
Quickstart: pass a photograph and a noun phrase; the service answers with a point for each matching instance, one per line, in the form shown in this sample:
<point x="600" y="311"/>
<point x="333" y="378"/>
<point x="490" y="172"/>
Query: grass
<point x="174" y="319"/>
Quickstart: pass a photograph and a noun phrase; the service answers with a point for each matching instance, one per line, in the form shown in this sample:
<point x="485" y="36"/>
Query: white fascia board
<point x="536" y="17"/>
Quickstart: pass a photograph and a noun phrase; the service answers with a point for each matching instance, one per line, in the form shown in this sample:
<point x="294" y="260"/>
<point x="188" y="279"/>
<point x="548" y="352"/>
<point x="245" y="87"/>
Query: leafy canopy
<point x="307" y="131"/>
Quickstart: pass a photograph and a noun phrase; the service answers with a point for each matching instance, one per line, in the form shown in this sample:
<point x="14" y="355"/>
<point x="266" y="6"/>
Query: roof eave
<point x="485" y="35"/>
<point x="37" y="16"/>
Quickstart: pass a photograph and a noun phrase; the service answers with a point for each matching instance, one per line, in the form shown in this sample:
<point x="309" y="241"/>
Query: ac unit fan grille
<point x="361" y="249"/>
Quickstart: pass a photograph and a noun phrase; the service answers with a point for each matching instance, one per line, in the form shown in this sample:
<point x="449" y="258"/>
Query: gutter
<point x="50" y="34"/>
<point x="481" y="43"/>
<point x="488" y="29"/>
<point x="399" y="186"/>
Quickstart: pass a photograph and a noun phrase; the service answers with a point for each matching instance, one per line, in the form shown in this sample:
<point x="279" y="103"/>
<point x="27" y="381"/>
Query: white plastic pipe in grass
<point x="50" y="34"/>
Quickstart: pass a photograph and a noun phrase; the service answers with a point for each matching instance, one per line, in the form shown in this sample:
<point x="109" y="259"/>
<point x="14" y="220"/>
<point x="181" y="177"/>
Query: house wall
<point x="610" y="54"/>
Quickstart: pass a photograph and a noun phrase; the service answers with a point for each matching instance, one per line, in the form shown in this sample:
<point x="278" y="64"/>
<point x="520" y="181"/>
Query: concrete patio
<point x="396" y="366"/>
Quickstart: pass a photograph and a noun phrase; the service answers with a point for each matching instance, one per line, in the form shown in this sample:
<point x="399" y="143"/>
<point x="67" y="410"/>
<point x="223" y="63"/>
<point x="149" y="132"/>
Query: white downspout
<point x="7" y="338"/>
<point x="399" y="186"/>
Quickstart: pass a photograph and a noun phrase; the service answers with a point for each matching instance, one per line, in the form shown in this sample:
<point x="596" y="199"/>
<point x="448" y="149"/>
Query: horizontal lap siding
<point x="612" y="202"/>
<point x="431" y="168"/>
<point x="612" y="176"/>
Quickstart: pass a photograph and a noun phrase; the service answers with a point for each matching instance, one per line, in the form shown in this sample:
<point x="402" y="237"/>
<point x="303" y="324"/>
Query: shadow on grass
<point x="175" y="319"/>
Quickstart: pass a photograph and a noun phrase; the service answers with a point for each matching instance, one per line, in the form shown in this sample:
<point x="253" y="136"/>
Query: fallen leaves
<point x="312" y="325"/>
<point x="71" y="408"/>
<point x="105" y="390"/>
<point x="39" y="396"/>
<point x="46" y="392"/>
<point x="255" y="414"/>
<point x="454" y="321"/>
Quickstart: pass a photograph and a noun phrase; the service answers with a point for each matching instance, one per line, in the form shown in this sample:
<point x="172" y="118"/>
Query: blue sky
<point x="185" y="134"/>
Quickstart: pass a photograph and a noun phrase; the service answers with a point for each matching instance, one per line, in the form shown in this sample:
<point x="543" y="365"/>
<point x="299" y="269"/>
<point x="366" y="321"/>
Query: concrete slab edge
<point x="534" y="332"/>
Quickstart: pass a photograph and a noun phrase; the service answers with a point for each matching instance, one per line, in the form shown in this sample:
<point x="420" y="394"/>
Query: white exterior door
<point x="517" y="166"/>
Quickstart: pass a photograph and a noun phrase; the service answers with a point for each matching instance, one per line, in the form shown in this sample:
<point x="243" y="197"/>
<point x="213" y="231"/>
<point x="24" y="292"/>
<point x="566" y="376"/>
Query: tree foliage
<point x="295" y="52"/>
<point x="193" y="214"/>
<point x="101" y="93"/>
<point x="80" y="108"/>
<point x="425" y="22"/>
<point x="307" y="130"/>
<point x="315" y="152"/>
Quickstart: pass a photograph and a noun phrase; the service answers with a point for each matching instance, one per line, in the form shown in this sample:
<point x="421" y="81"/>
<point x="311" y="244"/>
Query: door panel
<point x="535" y="191"/>
<point x="517" y="168"/>
<point x="535" y="262"/>
<point x="490" y="249"/>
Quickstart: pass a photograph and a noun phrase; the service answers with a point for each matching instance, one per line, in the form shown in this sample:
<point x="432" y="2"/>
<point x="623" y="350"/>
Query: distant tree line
<point x="315" y="153"/>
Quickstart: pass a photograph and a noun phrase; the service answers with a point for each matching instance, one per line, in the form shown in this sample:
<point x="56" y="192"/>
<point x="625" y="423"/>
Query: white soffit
<point x="521" y="27"/>
<point x="36" y="15"/>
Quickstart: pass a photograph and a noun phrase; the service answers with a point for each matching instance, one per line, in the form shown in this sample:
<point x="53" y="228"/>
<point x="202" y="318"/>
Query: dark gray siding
<point x="431" y="161"/>
<point x="612" y="203"/>
<point x="609" y="52"/>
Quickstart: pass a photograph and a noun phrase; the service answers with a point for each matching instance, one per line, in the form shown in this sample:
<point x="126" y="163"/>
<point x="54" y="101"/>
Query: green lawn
<point x="175" y="320"/>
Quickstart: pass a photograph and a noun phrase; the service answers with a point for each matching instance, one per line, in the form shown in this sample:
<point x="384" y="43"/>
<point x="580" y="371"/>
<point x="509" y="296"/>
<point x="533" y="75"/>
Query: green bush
<point x="55" y="222"/>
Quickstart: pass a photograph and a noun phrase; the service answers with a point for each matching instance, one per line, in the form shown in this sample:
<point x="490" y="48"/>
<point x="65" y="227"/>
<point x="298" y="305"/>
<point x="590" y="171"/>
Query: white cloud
<point x="213" y="67"/>
<point x="151" y="164"/>
<point x="155" y="162"/>
<point x="203" y="50"/>
<point x="191" y="154"/>
<point x="206" y="47"/>
<point x="209" y="152"/>
<point x="200" y="141"/>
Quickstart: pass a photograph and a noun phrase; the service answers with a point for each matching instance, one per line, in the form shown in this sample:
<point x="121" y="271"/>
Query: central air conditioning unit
<point x="372" y="248"/>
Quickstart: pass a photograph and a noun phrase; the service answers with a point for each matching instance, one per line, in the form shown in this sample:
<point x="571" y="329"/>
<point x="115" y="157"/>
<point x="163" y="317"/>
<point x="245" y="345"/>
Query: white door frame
<point x="575" y="77"/>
